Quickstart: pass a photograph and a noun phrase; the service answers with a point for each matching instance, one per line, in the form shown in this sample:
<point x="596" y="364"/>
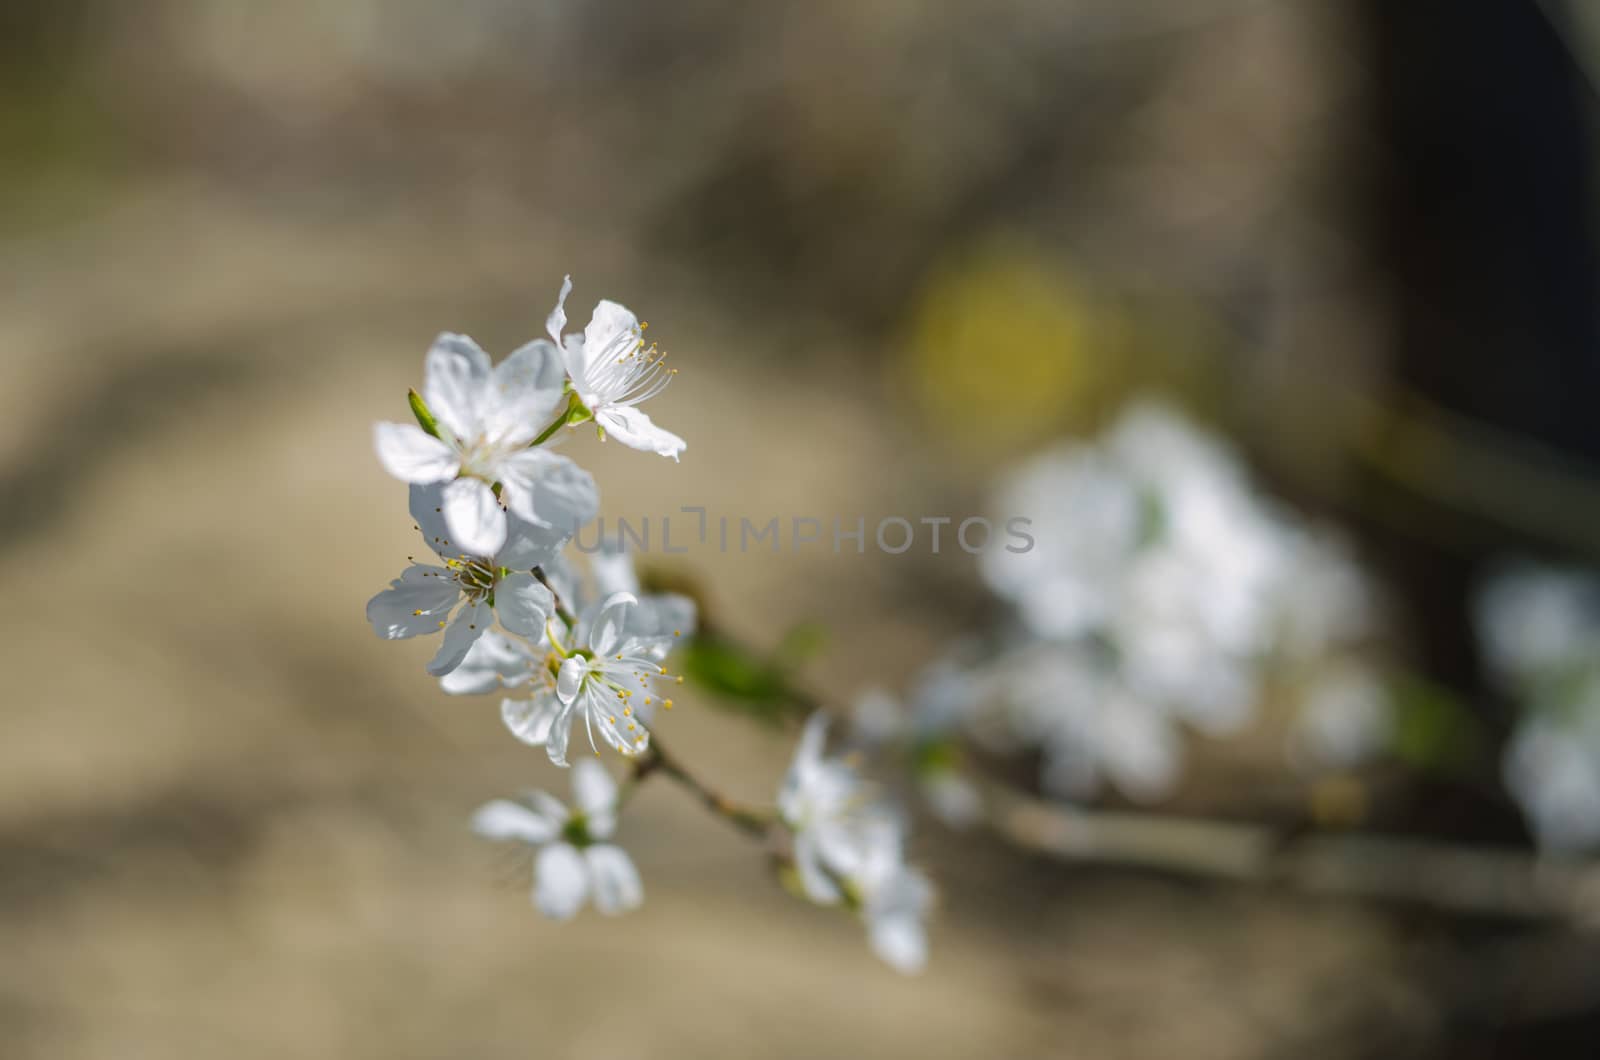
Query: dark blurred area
<point x="895" y="247"/>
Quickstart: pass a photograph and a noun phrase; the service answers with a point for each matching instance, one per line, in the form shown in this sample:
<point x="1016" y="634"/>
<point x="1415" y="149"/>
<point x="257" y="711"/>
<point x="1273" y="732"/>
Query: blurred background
<point x="896" y="249"/>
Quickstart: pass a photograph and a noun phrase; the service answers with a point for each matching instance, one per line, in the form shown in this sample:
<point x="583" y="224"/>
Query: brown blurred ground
<point x="232" y="821"/>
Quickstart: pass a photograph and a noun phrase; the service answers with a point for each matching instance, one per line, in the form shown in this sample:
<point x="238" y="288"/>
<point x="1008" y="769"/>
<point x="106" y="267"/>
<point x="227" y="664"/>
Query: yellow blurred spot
<point x="1338" y="802"/>
<point x="1004" y="348"/>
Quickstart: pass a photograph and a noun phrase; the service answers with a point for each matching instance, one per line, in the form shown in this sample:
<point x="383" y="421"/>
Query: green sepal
<point x="576" y="831"/>
<point x="424" y="415"/>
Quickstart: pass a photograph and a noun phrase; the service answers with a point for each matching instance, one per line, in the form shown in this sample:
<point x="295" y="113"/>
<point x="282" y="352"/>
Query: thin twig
<point x="1447" y="876"/>
<point x="751" y="821"/>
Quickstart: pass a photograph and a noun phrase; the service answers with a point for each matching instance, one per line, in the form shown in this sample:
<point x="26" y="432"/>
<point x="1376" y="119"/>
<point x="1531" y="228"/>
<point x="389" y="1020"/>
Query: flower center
<point x="478" y="459"/>
<point x="627" y="372"/>
<point x="475" y="577"/>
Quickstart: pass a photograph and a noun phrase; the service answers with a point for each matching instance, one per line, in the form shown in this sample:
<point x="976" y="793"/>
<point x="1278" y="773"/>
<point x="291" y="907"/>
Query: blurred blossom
<point x="574" y="862"/>
<point x="1540" y="630"/>
<point x="1552" y="768"/>
<point x="850" y="850"/>
<point x="1328" y="601"/>
<point x="1072" y="703"/>
<point x="1345" y="717"/>
<point x="925" y="729"/>
<point x="1162" y="589"/>
<point x="1535" y="621"/>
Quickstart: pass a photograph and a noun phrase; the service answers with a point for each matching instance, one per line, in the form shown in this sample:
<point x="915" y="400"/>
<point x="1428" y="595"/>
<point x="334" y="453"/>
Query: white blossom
<point x="607" y="679"/>
<point x="487" y="419"/>
<point x="1540" y="631"/>
<point x="1552" y="769"/>
<point x="574" y="860"/>
<point x="613" y="372"/>
<point x="849" y="850"/>
<point x="475" y="589"/>
<point x="1346" y="717"/>
<point x="1162" y="588"/>
<point x="1534" y="621"/>
<point x="927" y="729"/>
<point x="650" y="625"/>
<point x="1072" y="703"/>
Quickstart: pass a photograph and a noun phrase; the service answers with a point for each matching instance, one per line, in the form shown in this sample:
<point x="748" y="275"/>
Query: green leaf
<point x="743" y="681"/>
<point x="804" y="641"/>
<point x="1433" y="729"/>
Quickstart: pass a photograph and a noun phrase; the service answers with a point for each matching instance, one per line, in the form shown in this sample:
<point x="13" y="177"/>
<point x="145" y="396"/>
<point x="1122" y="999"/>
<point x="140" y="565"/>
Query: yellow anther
<point x="666" y="704"/>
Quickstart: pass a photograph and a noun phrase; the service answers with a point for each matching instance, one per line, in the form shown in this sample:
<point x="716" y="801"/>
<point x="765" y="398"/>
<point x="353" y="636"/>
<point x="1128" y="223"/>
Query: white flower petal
<point x="620" y="727"/>
<point x="412" y="455"/>
<point x="570" y="679"/>
<point x="804" y="768"/>
<point x="900" y="942"/>
<point x="470" y="623"/>
<point x="475" y="519"/>
<point x="595" y="795"/>
<point x="525" y="393"/>
<point x="611" y="569"/>
<point x="413" y="604"/>
<point x="557" y="320"/>
<point x="633" y="429"/>
<point x="953" y="798"/>
<point x="504" y="819"/>
<point x="617" y="887"/>
<point x="530" y="720"/>
<point x="818" y="885"/>
<point x="606" y="633"/>
<point x="427" y="508"/>
<point x="529" y="545"/>
<point x="613" y="331"/>
<point x="676" y="614"/>
<point x="494" y="661"/>
<point x="523" y="604"/>
<point x="555" y="744"/>
<point x="455" y="384"/>
<point x="548" y="489"/>
<point x="573" y="356"/>
<point x="1140" y="750"/>
<point x="561" y="880"/>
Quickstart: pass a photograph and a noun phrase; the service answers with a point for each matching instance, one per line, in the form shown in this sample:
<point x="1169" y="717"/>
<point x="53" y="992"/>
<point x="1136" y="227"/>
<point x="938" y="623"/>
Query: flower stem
<point x="576" y="412"/>
<point x="749" y="820"/>
<point x="545" y="435"/>
<point x="561" y="609"/>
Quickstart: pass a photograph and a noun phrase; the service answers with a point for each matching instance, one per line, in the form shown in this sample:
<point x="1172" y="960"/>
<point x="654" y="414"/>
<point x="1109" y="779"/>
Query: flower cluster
<point x="496" y="506"/>
<point x="584" y="650"/>
<point x="850" y="850"/>
<point x="1540" y="632"/>
<point x="1162" y="590"/>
